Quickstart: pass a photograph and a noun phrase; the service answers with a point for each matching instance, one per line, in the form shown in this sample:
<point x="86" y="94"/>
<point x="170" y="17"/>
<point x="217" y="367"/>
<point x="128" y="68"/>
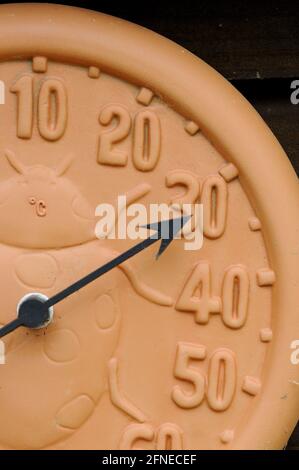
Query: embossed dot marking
<point x="144" y="96"/>
<point x="105" y="311"/>
<point x="38" y="270"/>
<point x="94" y="72"/>
<point x="266" y="335"/>
<point x="265" y="277"/>
<point x="254" y="224"/>
<point x="74" y="413"/>
<point x="39" y="64"/>
<point x="229" y="172"/>
<point x="226" y="436"/>
<point x="251" y="385"/>
<point x="191" y="127"/>
<point x="61" y="345"/>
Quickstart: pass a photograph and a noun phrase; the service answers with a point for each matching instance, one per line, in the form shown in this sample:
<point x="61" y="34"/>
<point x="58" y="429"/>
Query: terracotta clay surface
<point x="188" y="352"/>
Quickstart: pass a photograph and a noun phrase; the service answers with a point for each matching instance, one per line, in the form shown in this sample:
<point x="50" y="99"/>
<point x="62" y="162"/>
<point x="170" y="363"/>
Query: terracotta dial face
<point x="167" y="354"/>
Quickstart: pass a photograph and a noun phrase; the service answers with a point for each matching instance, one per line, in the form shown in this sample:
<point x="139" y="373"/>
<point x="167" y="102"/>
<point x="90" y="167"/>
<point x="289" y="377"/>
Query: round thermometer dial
<point x="187" y="351"/>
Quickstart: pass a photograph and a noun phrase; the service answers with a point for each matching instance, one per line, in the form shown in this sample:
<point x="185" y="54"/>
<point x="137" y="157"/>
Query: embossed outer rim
<point x="198" y="92"/>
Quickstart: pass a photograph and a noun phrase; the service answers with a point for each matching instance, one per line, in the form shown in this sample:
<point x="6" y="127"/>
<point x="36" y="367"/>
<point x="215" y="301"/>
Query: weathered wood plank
<point x="271" y="98"/>
<point x="242" y="40"/>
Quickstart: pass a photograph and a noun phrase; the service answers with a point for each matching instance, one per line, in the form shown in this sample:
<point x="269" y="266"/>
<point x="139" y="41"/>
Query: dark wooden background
<point x="254" y="44"/>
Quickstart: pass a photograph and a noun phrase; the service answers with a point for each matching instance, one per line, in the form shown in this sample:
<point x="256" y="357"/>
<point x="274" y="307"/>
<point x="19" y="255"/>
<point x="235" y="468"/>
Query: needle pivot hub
<point x="32" y="311"/>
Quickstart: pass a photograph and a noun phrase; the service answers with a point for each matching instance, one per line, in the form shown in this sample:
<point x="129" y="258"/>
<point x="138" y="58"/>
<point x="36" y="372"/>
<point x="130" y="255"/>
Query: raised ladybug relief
<point x="57" y="246"/>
